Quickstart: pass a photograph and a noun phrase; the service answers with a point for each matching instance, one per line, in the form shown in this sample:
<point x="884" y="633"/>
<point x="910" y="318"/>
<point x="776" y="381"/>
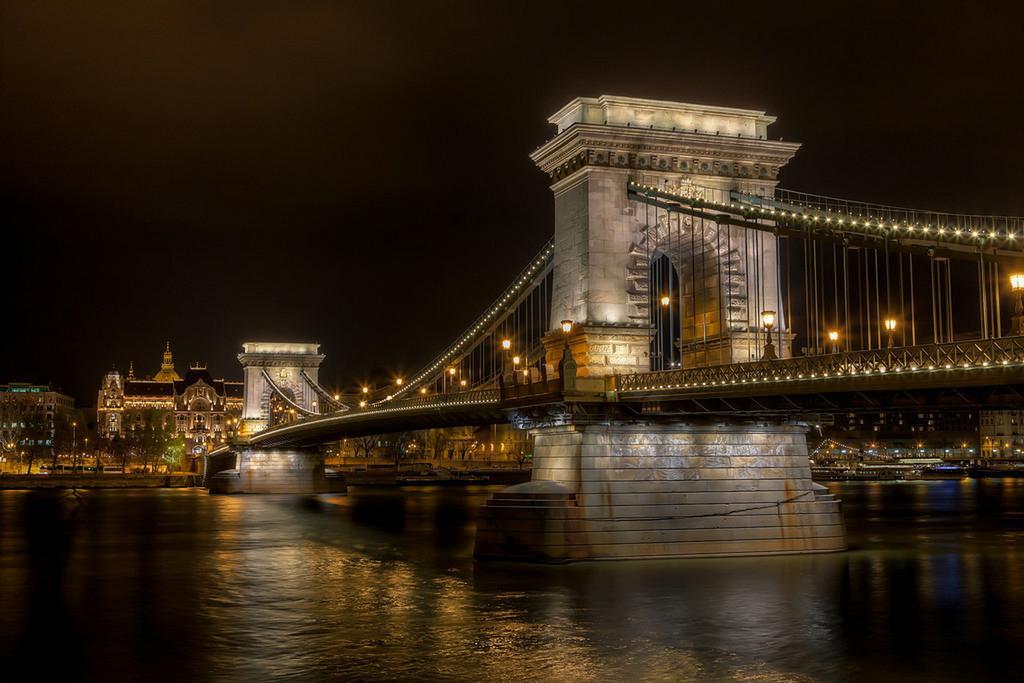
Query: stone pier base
<point x="647" y="491"/>
<point x="276" y="471"/>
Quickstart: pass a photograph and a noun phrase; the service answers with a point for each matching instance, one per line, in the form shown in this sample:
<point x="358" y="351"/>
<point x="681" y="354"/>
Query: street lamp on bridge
<point x="833" y="337"/>
<point x="506" y="346"/>
<point x="890" y="327"/>
<point x="1017" y="284"/>
<point x="567" y="366"/>
<point x="768" y="320"/>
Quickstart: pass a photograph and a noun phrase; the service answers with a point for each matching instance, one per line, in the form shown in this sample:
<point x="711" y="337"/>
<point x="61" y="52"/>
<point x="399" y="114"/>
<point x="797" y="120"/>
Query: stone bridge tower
<point x="600" y="275"/>
<point x="288" y="370"/>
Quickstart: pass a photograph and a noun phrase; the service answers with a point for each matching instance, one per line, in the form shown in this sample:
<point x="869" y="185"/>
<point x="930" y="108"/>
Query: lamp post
<point x="768" y="321"/>
<point x="833" y="337"/>
<point x="566" y="329"/>
<point x="1017" y="284"/>
<point x="515" y="369"/>
<point x="506" y="346"/>
<point x="567" y="366"/>
<point x="451" y="379"/>
<point x="890" y="327"/>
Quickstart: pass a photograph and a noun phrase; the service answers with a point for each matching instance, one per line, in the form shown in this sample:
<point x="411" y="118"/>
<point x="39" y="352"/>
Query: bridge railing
<point x="896" y="214"/>
<point x="931" y="357"/>
<point x="511" y="392"/>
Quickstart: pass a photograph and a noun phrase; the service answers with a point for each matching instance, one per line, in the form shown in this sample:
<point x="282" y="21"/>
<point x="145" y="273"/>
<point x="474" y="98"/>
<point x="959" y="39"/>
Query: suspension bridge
<point x="671" y="345"/>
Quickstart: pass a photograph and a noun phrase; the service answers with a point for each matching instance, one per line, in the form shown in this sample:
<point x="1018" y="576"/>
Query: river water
<point x="381" y="584"/>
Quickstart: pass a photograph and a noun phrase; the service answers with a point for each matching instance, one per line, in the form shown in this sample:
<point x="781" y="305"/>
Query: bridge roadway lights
<point x="272" y="470"/>
<point x="649" y="490"/>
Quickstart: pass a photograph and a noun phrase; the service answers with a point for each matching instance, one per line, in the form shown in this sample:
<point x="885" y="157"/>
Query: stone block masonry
<point x="276" y="471"/>
<point x="655" y="490"/>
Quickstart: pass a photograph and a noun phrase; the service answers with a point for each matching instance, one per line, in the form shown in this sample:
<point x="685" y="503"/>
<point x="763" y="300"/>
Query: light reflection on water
<point x="381" y="584"/>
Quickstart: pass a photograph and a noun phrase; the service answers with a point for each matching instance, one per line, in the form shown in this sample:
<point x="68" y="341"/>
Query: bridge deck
<point x="863" y="380"/>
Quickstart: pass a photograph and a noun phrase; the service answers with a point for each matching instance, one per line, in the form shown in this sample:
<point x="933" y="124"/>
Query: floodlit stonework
<point x="601" y="350"/>
<point x="647" y="490"/>
<point x="274" y="471"/>
<point x="605" y="243"/>
<point x="280" y="380"/>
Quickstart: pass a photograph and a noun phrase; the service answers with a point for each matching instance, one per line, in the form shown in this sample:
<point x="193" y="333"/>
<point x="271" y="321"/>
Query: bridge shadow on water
<point x="381" y="584"/>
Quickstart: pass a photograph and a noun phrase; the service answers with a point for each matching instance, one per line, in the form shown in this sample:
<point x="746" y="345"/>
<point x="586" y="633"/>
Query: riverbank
<point x="895" y="473"/>
<point x="97" y="481"/>
<point x="382" y="477"/>
<point x="372" y="477"/>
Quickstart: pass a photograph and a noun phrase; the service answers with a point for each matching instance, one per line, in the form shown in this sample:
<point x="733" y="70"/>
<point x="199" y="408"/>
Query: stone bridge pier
<point x="272" y="470"/>
<point x="645" y="490"/>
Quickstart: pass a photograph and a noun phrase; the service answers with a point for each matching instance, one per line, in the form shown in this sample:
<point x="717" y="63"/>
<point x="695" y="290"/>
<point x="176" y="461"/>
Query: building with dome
<point x="197" y="406"/>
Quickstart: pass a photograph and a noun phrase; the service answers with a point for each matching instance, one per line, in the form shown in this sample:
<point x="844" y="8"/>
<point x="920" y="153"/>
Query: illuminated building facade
<point x="31" y="412"/>
<point x="200" y="408"/>
<point x="1002" y="434"/>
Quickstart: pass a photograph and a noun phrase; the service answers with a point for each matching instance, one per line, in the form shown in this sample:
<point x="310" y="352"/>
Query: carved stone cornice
<point x="583" y="145"/>
<point x="278" y="360"/>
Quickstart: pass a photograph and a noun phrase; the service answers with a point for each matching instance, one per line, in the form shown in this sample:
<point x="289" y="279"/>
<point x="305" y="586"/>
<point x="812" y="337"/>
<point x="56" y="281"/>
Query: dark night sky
<point x="357" y="173"/>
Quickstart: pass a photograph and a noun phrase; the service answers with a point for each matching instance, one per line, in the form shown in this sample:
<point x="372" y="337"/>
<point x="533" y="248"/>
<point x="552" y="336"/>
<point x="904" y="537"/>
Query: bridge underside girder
<point x="471" y="409"/>
<point x="325" y="430"/>
<point x="795" y="405"/>
<point x="994" y="387"/>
